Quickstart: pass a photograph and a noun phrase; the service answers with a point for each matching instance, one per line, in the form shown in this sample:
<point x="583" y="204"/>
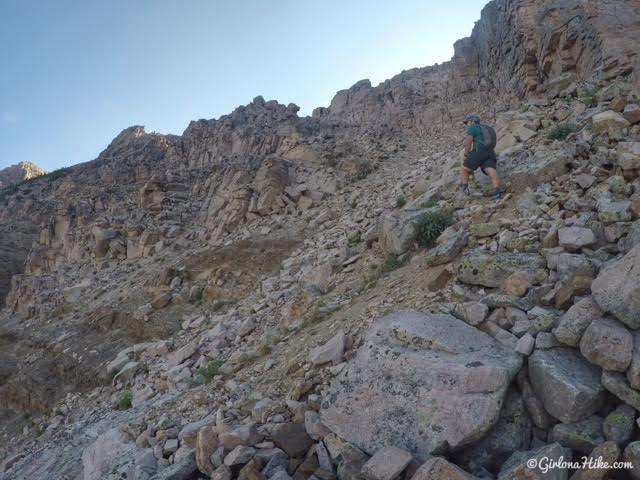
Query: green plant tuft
<point x="429" y="204"/>
<point x="430" y="225"/>
<point x="209" y="371"/>
<point x="392" y="262"/>
<point x="401" y="202"/>
<point x="562" y="131"/>
<point x="124" y="402"/>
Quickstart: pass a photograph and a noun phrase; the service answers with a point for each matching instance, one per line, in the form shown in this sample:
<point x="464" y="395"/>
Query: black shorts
<point x="482" y="158"/>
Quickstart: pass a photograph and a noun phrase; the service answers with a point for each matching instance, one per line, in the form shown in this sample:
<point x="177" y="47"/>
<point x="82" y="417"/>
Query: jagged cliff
<point x="19" y="173"/>
<point x="226" y="253"/>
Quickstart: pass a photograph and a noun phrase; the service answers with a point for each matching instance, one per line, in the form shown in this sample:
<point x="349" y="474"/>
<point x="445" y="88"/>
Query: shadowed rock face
<point x="423" y="382"/>
<point x="522" y="46"/>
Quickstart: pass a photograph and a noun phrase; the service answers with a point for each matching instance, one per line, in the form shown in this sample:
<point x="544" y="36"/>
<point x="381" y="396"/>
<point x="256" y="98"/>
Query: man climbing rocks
<point x="479" y="153"/>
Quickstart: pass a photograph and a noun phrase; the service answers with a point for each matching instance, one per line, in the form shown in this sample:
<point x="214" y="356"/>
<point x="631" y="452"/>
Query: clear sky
<point x="74" y="73"/>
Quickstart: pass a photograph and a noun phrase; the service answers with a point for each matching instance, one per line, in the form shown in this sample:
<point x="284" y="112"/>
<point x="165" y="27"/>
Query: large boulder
<point x="397" y="230"/>
<point x="510" y="434"/>
<point x="421" y="382"/>
<point x="479" y="267"/>
<point x="617" y="288"/>
<point x="529" y="168"/>
<point x="629" y="155"/>
<point x="109" y="451"/>
<point x="609" y="122"/>
<point x="576" y="320"/>
<point x="608" y="344"/>
<point x="574" y="238"/>
<point x="537" y="464"/>
<point x="567" y="384"/>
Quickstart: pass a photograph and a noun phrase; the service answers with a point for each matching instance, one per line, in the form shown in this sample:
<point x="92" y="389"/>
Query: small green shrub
<point x="209" y="371"/>
<point x="56" y="174"/>
<point x="430" y="225"/>
<point x="263" y="350"/>
<point x="401" y="202"/>
<point x="429" y="204"/>
<point x="392" y="262"/>
<point x="124" y="402"/>
<point x="562" y="131"/>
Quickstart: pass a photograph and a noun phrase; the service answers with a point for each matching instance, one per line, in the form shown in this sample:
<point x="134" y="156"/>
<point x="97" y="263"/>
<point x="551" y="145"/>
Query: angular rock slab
<point x="492" y="269"/>
<point x="421" y="382"/>
<point x="567" y="384"/>
<point x="617" y="288"/>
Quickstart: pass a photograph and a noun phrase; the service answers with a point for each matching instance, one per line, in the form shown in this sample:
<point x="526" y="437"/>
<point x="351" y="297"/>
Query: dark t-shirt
<point x="475" y="131"/>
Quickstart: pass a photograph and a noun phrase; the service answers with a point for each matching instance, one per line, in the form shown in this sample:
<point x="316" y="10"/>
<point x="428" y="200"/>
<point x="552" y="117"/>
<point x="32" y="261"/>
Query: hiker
<point x="479" y="153"/>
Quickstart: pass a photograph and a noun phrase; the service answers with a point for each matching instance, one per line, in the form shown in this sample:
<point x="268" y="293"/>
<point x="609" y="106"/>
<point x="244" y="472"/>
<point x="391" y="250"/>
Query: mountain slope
<point x="199" y="277"/>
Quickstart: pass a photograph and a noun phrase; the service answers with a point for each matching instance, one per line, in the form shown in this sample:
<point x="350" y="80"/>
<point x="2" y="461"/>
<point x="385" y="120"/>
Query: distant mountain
<point x="19" y="173"/>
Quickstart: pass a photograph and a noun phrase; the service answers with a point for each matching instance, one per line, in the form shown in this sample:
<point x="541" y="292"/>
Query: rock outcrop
<point x="19" y="173"/>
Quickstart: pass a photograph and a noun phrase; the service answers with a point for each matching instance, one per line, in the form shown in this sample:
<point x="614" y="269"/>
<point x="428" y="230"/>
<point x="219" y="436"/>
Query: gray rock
<point x="609" y="122"/>
<point x="494" y="300"/>
<point x="292" y="438"/>
<point x="386" y="464"/>
<point x="239" y="456"/>
<point x="332" y="351"/>
<point x="582" y="436"/>
<point x="632" y="454"/>
<point x="525" y="344"/>
<point x="576" y="320"/>
<point x="223" y="472"/>
<point x="516" y="467"/>
<point x="448" y="250"/>
<point x="279" y="461"/>
<point x="617" y="384"/>
<point x="397" y="231"/>
<point x="632" y="239"/>
<point x="568" y="386"/>
<point x="182" y="470"/>
<point x="629" y="155"/>
<point x="473" y="313"/>
<point x="618" y="425"/>
<point x="617" y="288"/>
<point x="605" y="453"/>
<point x="633" y="373"/>
<point x="609" y="211"/>
<point x="532" y="403"/>
<point x="575" y="238"/>
<point x="176" y="358"/>
<point x="585" y="180"/>
<point x="281" y="475"/>
<point x="246" y="435"/>
<point x="463" y="374"/>
<point x="479" y="267"/>
<point x="437" y="468"/>
<point x="108" y="450"/>
<point x="510" y="434"/>
<point x="546" y="340"/>
<point x="314" y="426"/>
<point x="608" y="344"/>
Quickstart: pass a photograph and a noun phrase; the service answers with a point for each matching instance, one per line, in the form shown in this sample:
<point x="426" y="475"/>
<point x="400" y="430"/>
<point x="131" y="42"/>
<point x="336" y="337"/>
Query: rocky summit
<point x="270" y="296"/>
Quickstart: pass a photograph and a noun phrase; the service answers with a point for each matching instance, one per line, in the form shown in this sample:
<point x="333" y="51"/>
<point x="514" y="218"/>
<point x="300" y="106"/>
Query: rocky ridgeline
<point x="19" y="173"/>
<point x="247" y="300"/>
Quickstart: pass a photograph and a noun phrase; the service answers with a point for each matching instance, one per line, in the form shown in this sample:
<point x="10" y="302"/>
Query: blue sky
<point x="73" y="74"/>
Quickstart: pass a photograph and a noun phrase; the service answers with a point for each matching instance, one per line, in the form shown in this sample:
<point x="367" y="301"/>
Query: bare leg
<point x="465" y="173"/>
<point x="493" y="175"/>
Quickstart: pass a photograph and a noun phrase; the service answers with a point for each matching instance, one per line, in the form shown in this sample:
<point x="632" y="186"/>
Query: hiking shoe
<point x="465" y="189"/>
<point x="497" y="194"/>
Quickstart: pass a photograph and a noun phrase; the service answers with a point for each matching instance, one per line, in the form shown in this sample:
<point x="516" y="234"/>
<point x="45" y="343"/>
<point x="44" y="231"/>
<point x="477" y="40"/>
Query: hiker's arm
<point x="468" y="144"/>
